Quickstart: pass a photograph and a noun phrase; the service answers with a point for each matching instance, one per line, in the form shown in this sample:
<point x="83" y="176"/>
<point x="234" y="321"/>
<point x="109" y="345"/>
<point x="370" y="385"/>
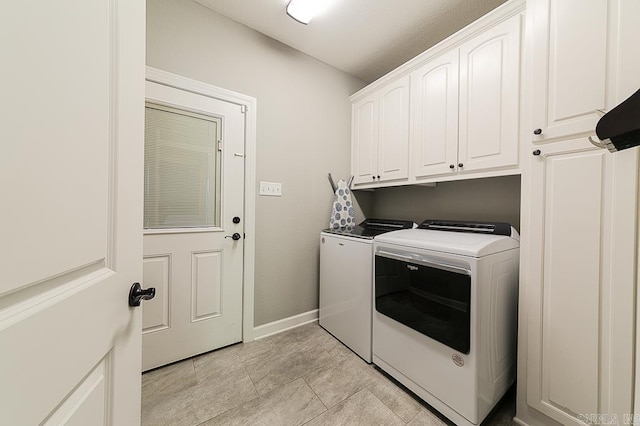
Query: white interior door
<point x="194" y="189"/>
<point x="71" y="128"/>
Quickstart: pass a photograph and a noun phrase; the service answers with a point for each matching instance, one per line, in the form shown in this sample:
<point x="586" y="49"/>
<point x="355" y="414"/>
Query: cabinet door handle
<point x="378" y="177"/>
<point x="451" y="166"/>
<point x="537" y="132"/>
<point x="460" y="165"/>
<point x="373" y="177"/>
<point x="537" y="152"/>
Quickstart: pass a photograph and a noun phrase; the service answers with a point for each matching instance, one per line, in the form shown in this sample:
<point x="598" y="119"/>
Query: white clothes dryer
<point x="445" y="313"/>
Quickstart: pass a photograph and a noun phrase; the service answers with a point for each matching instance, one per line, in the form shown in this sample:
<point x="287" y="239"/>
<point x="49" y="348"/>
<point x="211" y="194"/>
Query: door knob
<point x="234" y="237"/>
<point x="537" y="132"/>
<point x="236" y="220"/>
<point x="137" y="294"/>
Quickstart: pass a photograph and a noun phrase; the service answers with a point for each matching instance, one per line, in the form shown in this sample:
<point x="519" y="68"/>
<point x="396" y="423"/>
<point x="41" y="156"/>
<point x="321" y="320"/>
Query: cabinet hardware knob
<point x="460" y="165"/>
<point x="537" y="132"/>
<point x="373" y="177"/>
<point x="536" y="152"/>
<point x="451" y="166"/>
<point x="378" y="177"/>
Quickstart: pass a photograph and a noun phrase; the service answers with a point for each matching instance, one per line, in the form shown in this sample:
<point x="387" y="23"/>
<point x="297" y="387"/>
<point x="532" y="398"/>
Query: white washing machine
<point x="445" y="313"/>
<point x="346" y="281"/>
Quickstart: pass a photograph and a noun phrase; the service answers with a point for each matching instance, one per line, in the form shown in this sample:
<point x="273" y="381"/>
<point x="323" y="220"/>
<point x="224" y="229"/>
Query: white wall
<point x="303" y="132"/>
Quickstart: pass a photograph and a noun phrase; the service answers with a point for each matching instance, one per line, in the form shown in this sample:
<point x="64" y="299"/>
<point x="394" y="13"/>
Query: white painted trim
<point x="250" y="106"/>
<point x="285" y="324"/>
<point x="249" y="218"/>
<point x="636" y="366"/>
<point x="183" y="83"/>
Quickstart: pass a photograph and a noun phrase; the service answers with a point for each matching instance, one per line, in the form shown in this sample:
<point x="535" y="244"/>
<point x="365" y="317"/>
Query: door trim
<point x="249" y="105"/>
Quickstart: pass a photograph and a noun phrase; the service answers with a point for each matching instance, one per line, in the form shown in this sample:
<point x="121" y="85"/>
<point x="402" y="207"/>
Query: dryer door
<point x="428" y="296"/>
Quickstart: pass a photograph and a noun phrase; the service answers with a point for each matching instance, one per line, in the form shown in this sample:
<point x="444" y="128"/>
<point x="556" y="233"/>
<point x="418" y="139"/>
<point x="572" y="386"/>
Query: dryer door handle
<point x="419" y="260"/>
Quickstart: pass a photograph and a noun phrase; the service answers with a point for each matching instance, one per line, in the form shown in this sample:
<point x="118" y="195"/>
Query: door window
<point x="181" y="169"/>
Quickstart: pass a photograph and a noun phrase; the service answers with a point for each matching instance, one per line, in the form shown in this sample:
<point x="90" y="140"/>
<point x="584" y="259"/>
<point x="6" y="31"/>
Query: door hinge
<point x="243" y="108"/>
<point x="220" y="145"/>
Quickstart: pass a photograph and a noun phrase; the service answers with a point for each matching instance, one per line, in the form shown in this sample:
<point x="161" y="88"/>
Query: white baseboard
<point x="275" y="327"/>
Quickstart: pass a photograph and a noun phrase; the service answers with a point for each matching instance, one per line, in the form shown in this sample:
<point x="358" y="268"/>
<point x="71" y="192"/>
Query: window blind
<point x="181" y="169"/>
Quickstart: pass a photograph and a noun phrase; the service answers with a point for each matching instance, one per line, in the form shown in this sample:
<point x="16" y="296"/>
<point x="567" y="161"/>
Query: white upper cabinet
<point x="393" y="143"/>
<point x="465" y="107"/>
<point x="434" y="117"/>
<point x="364" y="147"/>
<point x="489" y="98"/>
<point x="452" y="112"/>
<point x="570" y="66"/>
<point x="380" y="140"/>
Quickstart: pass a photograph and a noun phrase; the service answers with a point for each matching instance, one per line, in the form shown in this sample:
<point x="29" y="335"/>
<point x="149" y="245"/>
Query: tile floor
<point x="302" y="376"/>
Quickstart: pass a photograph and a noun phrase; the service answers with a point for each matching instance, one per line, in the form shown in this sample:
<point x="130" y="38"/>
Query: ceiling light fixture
<point x="302" y="10"/>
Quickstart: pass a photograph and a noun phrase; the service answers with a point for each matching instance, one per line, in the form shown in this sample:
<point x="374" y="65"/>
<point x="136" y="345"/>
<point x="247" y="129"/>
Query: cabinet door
<point x="569" y="66"/>
<point x="393" y="146"/>
<point x="578" y="275"/>
<point x="364" y="140"/>
<point x="434" y="117"/>
<point x="489" y="98"/>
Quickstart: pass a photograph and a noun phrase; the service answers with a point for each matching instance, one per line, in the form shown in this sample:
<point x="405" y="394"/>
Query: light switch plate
<point x="273" y="189"/>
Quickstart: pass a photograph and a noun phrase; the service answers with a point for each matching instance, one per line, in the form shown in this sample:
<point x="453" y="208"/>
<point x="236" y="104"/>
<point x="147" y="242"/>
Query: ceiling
<point x="364" y="38"/>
